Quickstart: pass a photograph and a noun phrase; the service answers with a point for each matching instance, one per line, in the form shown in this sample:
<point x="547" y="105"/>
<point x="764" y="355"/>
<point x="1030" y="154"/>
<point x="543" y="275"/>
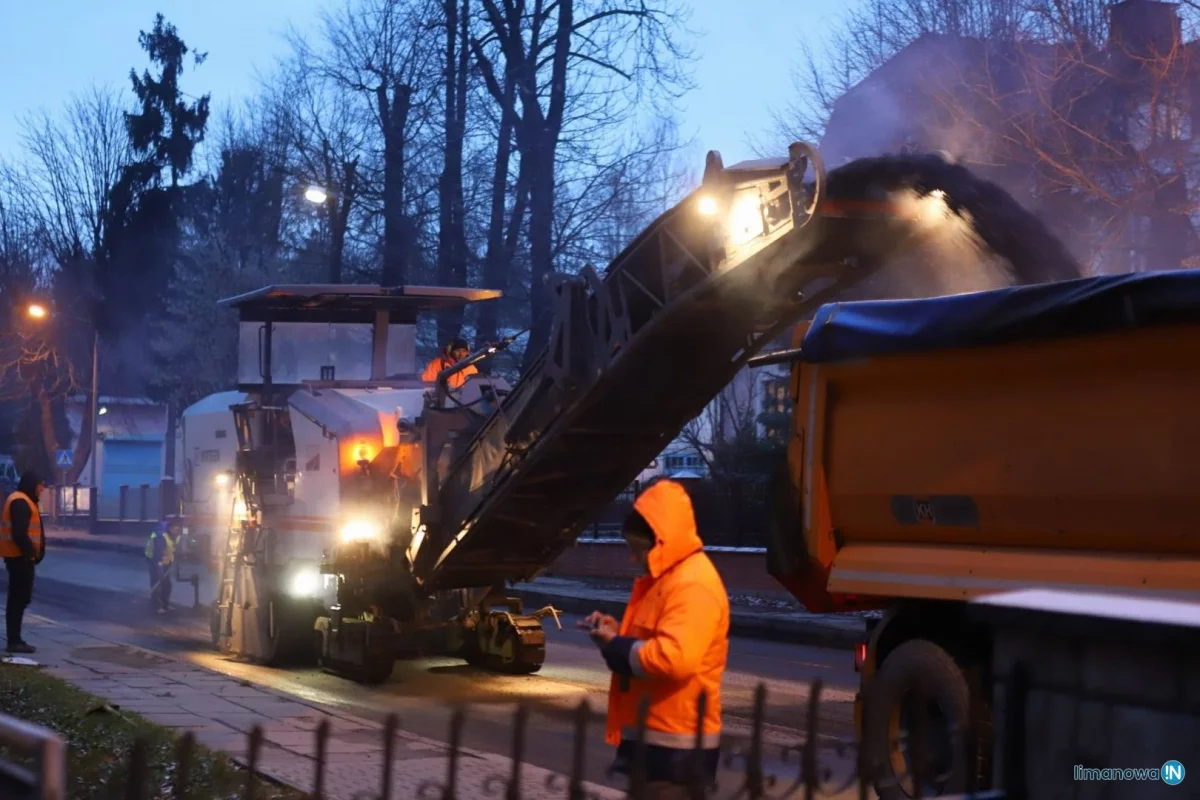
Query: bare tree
<point x="74" y="160"/>
<point x="325" y="135"/>
<point x="452" y="234"/>
<point x="35" y="374"/>
<point x="728" y="423"/>
<point x="1040" y="95"/>
<point x="573" y="63"/>
<point x="505" y="218"/>
<point x="380" y="51"/>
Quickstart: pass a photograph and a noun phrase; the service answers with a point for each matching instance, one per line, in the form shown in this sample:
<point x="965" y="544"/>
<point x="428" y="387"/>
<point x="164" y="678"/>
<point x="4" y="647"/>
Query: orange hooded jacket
<point x="435" y="367"/>
<point x="674" y="637"/>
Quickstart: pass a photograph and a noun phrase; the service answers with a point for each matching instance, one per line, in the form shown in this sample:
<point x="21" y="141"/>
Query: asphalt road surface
<point x="108" y="594"/>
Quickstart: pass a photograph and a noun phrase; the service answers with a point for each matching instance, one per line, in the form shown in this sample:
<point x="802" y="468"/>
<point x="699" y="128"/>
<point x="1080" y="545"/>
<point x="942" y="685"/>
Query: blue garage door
<point x="130" y="463"/>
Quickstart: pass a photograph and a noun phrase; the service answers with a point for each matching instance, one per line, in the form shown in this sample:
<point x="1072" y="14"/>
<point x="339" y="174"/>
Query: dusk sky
<point x="57" y="47"/>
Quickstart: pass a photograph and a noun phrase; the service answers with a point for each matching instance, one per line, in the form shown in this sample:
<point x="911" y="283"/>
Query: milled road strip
<point x="220" y="709"/>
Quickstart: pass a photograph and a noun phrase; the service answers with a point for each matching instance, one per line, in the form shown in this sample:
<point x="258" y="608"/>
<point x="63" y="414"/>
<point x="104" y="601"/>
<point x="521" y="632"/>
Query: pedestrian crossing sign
<point x="62" y="458"/>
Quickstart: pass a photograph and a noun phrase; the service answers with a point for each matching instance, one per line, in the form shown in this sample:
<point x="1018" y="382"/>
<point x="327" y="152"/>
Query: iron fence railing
<point x="816" y="765"/>
<point x="44" y="776"/>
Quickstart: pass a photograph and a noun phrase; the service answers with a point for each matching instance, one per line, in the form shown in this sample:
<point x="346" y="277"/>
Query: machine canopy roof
<point x="350" y="303"/>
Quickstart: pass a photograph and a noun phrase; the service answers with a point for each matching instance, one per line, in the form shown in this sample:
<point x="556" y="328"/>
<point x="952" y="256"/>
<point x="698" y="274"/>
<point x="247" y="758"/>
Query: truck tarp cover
<point x="1088" y="306"/>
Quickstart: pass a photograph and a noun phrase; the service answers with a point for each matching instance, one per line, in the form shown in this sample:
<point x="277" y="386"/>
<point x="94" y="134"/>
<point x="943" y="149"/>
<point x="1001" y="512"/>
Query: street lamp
<point x="39" y="312"/>
<point x="316" y="195"/>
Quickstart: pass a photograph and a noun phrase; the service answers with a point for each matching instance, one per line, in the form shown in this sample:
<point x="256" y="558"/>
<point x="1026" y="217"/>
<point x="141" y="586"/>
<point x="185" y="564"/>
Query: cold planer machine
<point x="505" y="483"/>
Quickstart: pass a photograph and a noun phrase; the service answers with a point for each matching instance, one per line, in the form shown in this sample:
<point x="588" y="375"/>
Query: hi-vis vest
<point x="8" y="548"/>
<point x="169" y="543"/>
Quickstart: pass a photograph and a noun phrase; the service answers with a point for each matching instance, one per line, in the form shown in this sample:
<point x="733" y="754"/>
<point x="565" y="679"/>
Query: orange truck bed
<point x="1038" y="436"/>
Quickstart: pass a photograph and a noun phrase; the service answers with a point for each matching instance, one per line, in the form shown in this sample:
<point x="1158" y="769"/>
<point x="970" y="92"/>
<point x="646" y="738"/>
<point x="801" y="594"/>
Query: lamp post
<point x="92" y="490"/>
<point x="38" y="311"/>
<point x="320" y="196"/>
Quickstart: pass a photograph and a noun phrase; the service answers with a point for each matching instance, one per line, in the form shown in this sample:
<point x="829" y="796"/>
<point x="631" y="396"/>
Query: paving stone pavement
<point x="221" y="710"/>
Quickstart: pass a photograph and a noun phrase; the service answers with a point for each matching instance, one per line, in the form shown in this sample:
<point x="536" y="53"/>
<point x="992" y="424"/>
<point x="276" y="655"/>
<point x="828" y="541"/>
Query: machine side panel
<point x="207" y="453"/>
<point x="311" y="519"/>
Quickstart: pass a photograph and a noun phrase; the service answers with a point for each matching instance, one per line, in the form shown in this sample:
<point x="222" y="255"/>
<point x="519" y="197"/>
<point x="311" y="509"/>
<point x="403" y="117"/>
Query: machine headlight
<point x="745" y="218"/>
<point x="359" y="530"/>
<point x="305" y="583"/>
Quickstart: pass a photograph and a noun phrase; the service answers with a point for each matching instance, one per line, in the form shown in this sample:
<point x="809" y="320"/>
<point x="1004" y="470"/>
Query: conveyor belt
<point x="637" y="354"/>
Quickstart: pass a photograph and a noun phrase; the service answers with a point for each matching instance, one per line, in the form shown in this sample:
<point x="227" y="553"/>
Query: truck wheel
<point x="890" y="720"/>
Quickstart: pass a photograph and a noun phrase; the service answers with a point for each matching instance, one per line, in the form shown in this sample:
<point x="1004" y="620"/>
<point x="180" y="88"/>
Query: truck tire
<point x="918" y="665"/>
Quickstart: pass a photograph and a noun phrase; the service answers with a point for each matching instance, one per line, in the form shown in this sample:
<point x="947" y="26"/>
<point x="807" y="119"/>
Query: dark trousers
<point x="20" y="594"/>
<point x="669" y="772"/>
<point x="160" y="573"/>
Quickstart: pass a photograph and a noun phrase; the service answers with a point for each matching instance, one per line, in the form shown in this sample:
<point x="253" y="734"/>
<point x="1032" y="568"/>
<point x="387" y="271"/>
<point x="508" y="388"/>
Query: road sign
<point x="63" y="458"/>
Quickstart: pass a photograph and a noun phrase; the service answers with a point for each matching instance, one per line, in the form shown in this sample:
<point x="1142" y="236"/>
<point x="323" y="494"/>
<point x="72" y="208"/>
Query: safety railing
<point x="46" y="779"/>
<point x="814" y="765"/>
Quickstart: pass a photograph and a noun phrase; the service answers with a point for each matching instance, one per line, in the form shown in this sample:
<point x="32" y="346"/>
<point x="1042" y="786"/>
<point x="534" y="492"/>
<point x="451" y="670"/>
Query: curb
<point x="749" y="626"/>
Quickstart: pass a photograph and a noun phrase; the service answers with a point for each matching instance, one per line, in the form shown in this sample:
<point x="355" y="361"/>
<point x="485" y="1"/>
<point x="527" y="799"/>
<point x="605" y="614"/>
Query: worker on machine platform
<point x="455" y="352"/>
<point x="670" y="647"/>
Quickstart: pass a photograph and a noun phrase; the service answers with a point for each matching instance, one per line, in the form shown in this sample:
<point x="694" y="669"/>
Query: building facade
<point x="1094" y="135"/>
<point x="131" y="453"/>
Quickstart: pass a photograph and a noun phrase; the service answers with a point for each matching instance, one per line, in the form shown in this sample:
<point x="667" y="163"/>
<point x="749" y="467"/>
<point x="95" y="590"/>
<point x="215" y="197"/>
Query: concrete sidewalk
<point x="577" y="597"/>
<point x="221" y="710"/>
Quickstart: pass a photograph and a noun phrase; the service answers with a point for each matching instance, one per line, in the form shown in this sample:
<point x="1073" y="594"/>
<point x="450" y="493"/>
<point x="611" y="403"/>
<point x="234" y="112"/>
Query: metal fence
<point x="815" y="764"/>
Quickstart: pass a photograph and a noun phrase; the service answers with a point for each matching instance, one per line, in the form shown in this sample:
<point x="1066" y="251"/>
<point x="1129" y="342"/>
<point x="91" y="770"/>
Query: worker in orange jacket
<point x="455" y="352"/>
<point x="22" y="546"/>
<point x="670" y="647"/>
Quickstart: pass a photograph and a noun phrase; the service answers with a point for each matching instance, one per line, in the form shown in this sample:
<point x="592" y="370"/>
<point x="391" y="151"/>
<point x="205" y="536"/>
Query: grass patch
<point x="99" y="744"/>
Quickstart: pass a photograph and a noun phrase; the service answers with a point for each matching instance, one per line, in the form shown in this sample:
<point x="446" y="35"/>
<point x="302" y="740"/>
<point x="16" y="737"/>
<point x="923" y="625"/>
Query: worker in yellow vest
<point x="160" y="555"/>
<point x="22" y="545"/>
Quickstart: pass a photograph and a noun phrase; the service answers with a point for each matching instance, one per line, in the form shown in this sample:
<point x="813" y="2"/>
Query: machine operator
<point x="454" y="352"/>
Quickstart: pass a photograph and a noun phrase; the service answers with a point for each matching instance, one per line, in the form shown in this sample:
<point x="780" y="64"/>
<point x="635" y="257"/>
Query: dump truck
<point x="946" y="448"/>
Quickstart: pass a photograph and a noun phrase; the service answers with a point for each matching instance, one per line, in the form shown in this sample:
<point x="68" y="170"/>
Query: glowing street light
<point x="316" y="195"/>
<point x="39" y="312"/>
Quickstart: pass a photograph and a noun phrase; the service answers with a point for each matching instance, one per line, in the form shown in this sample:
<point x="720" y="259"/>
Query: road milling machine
<point x="369" y="514"/>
